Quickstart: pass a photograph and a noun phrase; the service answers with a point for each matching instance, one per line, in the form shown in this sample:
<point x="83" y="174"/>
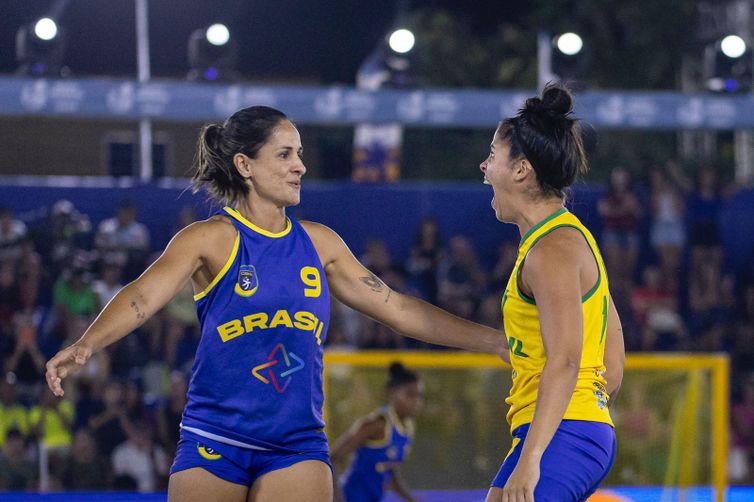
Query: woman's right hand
<point x="65" y="363"/>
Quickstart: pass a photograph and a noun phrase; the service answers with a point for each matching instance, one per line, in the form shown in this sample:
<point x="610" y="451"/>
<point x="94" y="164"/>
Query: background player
<point x="381" y="441"/>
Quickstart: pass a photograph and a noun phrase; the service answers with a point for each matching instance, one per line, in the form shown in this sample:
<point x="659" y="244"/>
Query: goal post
<point x="671" y="415"/>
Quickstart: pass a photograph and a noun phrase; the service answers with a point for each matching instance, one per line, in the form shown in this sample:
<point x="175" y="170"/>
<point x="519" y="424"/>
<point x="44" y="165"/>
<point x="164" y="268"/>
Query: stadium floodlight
<point x="401" y="41"/>
<point x="212" y="54"/>
<point x="40" y="47"/>
<point x="46" y="29"/>
<point x="728" y="65"/>
<point x="733" y="46"/>
<point x="569" y="43"/>
<point x="218" y="34"/>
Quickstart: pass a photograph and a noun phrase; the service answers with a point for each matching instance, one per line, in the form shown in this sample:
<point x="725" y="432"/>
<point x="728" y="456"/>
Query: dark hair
<point x="246" y="131"/>
<point x="546" y="133"/>
<point x="399" y="376"/>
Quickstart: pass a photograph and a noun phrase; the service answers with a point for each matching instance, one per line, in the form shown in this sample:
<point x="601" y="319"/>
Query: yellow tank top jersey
<point x="521" y="320"/>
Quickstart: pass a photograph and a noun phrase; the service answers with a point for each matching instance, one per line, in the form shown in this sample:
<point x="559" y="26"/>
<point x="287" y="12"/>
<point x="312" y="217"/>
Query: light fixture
<point x="212" y="54"/>
<point x="40" y="47"/>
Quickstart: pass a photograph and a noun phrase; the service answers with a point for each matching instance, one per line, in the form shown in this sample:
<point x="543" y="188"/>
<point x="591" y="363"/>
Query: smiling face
<point x="276" y="171"/>
<point x="499" y="172"/>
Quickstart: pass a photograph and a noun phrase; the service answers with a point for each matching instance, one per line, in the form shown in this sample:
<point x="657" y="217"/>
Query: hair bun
<point x="556" y="103"/>
<point x="558" y="99"/>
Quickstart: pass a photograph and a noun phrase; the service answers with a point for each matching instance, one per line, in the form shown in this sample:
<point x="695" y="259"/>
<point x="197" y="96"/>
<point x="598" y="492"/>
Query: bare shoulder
<point x="327" y="242"/>
<point x="205" y="235"/>
<point x="563" y="245"/>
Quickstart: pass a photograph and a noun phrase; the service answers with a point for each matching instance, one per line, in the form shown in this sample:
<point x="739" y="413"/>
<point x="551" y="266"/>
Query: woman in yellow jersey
<point x="564" y="334"/>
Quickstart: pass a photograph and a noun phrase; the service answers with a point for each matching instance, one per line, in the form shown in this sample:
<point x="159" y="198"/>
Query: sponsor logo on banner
<point x="66" y="97"/>
<point x="641" y="111"/>
<point x="721" y="112"/>
<point x="691" y="113"/>
<point x="121" y="99"/>
<point x="227" y="101"/>
<point x="612" y="111"/>
<point x="328" y="105"/>
<point x="34" y="95"/>
<point x="360" y="106"/>
<point x="442" y="108"/>
<point x="153" y="99"/>
<point x="411" y="107"/>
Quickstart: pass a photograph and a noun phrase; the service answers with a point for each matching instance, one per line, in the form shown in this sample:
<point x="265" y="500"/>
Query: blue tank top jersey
<point x="373" y="463"/>
<point x="257" y="375"/>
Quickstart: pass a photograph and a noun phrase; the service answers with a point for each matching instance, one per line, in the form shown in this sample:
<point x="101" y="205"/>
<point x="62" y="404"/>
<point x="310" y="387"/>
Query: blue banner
<point x="185" y="101"/>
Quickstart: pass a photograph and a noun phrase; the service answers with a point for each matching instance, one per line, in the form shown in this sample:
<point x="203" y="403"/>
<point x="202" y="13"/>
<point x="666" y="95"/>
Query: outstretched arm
<point x="357" y="287"/>
<point x="136" y="302"/>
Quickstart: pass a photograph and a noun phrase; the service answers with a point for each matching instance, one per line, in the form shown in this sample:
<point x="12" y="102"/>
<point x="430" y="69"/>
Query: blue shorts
<point x="242" y="466"/>
<point x="576" y="461"/>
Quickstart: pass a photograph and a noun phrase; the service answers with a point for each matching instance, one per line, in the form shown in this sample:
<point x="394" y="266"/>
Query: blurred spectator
<point x="181" y="326"/>
<point x="85" y="469"/>
<point x="171" y="411"/>
<point x="667" y="233"/>
<point x="26" y="361"/>
<point x="108" y="284"/>
<point x="742" y="441"/>
<point x="142" y="459"/>
<point x="376" y="257"/>
<point x="17" y="471"/>
<point x="702" y="215"/>
<point x="422" y="264"/>
<point x="711" y="298"/>
<point x="110" y="422"/>
<point x="186" y="217"/>
<point x="506" y="259"/>
<point x="620" y="211"/>
<point x="51" y="421"/>
<point x="29" y="268"/>
<point x="656" y="312"/>
<point x="461" y="279"/>
<point x="74" y="298"/>
<point x="12" y="232"/>
<point x="13" y="415"/>
<point x="124" y="240"/>
<point x="65" y="234"/>
<point x="490" y="311"/>
<point x="10" y="301"/>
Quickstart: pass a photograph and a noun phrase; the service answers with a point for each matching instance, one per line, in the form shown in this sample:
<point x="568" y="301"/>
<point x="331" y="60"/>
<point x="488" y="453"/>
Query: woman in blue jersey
<point x="252" y="429"/>
<point x="564" y="334"/>
<point x="381" y="441"/>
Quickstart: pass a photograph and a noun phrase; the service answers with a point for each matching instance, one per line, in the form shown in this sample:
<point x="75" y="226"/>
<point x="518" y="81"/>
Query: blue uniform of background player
<point x="252" y="429"/>
<point x="381" y="441"/>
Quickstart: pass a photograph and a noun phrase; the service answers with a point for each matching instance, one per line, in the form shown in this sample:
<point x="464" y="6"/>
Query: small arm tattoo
<point x="139" y="314"/>
<point x="389" y="292"/>
<point x="374" y="283"/>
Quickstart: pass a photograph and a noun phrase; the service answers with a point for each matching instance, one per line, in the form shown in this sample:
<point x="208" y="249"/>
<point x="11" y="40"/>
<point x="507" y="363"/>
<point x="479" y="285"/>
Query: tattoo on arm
<point x="139" y="314"/>
<point x="374" y="283"/>
<point x="389" y="292"/>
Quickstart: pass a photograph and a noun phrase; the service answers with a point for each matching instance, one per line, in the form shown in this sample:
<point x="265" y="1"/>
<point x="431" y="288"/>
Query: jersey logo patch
<point x="289" y="364"/>
<point x="248" y="281"/>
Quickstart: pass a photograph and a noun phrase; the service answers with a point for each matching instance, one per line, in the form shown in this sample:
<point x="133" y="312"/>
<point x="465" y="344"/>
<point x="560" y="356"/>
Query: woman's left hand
<point x="522" y="482"/>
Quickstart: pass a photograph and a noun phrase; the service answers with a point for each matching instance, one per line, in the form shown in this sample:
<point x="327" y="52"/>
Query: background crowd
<point x="117" y="426"/>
